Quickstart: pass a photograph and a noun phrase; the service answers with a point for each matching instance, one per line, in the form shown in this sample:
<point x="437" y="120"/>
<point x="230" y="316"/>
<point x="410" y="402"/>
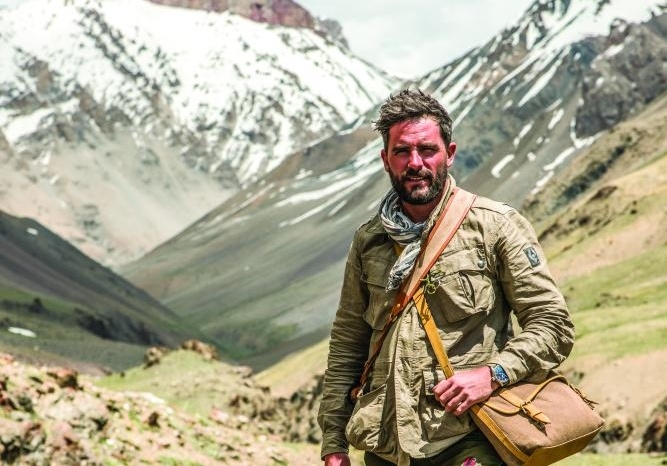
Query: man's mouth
<point x="417" y="177"/>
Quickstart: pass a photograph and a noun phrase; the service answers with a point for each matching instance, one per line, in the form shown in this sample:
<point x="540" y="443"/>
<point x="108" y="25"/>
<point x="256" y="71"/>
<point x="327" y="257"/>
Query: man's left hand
<point x="464" y="389"/>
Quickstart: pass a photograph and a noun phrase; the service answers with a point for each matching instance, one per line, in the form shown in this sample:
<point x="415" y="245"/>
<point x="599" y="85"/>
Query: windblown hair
<point x="411" y="105"/>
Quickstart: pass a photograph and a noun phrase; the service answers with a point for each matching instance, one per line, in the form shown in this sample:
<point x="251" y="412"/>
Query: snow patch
<point x="495" y="171"/>
<point x="303" y="173"/>
<point x="543" y="79"/>
<point x="356" y="125"/>
<point x="613" y="50"/>
<point x="581" y="142"/>
<point x="541" y="182"/>
<point x="560" y="159"/>
<point x="25" y="125"/>
<point x="24" y="332"/>
<point x="338" y="185"/>
<point x="522" y="133"/>
<point x="555" y="118"/>
<point x="337" y="208"/>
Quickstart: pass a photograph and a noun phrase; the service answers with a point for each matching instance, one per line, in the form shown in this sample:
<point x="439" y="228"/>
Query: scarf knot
<point x="405" y="232"/>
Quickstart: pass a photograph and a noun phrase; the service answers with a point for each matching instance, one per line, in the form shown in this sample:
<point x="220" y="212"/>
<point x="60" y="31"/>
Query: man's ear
<point x="383" y="155"/>
<point x="451" y="153"/>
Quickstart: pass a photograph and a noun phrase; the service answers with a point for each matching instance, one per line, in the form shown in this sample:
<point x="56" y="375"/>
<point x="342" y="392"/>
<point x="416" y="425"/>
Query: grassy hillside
<point x="183" y="379"/>
<point x="228" y="394"/>
<point x="607" y="249"/>
<point x="57" y="304"/>
<point x="261" y="274"/>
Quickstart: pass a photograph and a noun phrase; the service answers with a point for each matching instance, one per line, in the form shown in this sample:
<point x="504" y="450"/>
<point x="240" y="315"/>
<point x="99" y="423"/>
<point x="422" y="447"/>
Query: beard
<point x="419" y="195"/>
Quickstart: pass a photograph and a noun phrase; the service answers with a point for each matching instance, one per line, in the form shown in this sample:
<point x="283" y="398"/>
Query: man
<point x="408" y="413"/>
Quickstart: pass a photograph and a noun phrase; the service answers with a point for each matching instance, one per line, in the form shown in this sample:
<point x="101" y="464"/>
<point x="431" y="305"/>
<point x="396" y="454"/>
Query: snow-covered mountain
<point x="262" y="272"/>
<point x="122" y="121"/>
<point x="540" y="91"/>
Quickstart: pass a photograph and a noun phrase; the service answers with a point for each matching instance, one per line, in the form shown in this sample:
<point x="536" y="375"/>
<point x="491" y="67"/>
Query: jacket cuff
<point x="513" y="366"/>
<point x="333" y="443"/>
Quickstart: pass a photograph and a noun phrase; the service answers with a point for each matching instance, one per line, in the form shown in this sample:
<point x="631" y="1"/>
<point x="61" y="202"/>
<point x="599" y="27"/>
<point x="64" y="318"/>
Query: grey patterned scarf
<point x="405" y="232"/>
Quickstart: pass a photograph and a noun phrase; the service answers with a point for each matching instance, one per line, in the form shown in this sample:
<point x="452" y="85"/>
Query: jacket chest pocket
<point x="461" y="285"/>
<point x="374" y="275"/>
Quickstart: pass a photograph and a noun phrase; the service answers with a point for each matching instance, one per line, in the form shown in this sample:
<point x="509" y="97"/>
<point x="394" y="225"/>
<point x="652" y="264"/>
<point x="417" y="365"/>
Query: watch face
<point x="500" y="375"/>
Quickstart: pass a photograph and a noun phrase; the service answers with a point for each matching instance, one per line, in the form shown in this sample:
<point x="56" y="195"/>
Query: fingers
<point x="452" y="398"/>
<point x="456" y="405"/>
<point x="461" y="391"/>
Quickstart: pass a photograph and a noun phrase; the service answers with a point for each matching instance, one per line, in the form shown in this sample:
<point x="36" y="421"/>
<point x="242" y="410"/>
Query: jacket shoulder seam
<point x="485" y="203"/>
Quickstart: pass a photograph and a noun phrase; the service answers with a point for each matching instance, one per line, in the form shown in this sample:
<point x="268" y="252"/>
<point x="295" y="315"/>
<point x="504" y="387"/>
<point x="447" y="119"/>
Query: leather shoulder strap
<point x="454" y="213"/>
<point x="440" y="240"/>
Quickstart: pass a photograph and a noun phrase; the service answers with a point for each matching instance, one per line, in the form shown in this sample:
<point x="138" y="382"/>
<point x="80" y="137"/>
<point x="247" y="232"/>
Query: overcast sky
<point x="409" y="38"/>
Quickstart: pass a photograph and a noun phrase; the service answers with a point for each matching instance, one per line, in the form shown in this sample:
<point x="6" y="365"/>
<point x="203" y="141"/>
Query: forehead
<point x="415" y="130"/>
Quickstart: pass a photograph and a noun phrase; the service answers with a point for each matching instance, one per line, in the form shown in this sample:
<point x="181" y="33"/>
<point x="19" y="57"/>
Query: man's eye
<point x="427" y="151"/>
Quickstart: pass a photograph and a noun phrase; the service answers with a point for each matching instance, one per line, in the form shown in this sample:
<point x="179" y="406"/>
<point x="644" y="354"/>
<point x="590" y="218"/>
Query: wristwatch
<point x="498" y="374"/>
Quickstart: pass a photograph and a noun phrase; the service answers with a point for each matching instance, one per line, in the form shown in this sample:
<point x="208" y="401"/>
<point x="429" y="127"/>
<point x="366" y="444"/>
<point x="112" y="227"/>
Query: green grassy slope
<point x="609" y="247"/>
<point x="183" y="379"/>
<point x="77" y="308"/>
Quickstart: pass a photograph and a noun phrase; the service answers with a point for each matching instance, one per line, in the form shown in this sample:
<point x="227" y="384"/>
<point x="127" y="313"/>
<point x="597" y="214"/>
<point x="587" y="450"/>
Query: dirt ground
<point x="627" y="390"/>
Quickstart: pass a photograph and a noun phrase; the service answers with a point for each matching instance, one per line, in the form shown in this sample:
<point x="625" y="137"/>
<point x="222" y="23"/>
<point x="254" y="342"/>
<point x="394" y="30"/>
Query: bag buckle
<point x="538" y="417"/>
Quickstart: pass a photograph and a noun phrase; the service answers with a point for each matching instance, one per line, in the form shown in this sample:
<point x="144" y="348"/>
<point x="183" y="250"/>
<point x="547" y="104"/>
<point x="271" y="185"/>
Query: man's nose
<point x="415" y="160"/>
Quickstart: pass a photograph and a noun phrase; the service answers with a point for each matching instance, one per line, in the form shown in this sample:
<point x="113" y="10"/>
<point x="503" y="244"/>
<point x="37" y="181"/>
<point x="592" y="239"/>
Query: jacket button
<point x="481" y="263"/>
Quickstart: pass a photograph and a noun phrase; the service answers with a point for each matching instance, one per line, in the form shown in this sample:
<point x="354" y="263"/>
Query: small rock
<point x="154" y="355"/>
<point x="152" y="419"/>
<point x="65" y="378"/>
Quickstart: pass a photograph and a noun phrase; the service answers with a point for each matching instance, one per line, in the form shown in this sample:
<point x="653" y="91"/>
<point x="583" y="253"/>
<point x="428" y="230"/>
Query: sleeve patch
<point x="532" y="256"/>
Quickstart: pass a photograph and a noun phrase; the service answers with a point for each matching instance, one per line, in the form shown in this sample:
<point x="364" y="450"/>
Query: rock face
<point x="631" y="71"/>
<point x="282" y="12"/>
<point x="654" y="438"/>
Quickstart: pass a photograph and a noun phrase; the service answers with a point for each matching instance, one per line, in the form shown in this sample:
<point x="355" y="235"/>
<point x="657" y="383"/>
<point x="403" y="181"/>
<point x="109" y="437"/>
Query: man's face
<point x="417" y="160"/>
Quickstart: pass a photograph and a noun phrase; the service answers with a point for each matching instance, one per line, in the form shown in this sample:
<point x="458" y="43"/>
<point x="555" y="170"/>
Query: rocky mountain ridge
<point x="541" y="91"/>
<point x="276" y="12"/>
<point x="280" y="12"/>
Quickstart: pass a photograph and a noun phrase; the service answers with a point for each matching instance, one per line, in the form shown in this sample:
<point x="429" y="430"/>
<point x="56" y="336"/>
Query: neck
<point x="420" y="212"/>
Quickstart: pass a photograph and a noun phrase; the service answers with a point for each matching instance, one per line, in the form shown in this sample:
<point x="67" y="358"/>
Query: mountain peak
<point x="278" y="12"/>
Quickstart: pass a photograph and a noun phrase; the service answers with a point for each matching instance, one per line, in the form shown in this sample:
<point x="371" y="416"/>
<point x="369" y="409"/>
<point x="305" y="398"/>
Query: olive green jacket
<point x="492" y="266"/>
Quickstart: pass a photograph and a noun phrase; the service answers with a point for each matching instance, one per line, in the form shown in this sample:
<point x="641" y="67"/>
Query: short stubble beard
<point x="410" y="197"/>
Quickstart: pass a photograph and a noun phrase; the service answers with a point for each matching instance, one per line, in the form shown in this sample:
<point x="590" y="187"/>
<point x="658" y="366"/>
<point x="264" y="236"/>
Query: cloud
<point x="410" y="38"/>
